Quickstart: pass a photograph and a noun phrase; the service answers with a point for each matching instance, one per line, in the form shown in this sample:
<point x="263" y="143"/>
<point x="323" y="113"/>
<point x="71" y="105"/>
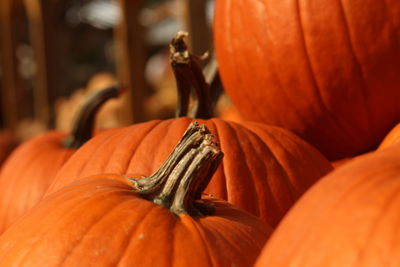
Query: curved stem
<point x="179" y="57"/>
<point x="189" y="79"/>
<point x="179" y="182"/>
<point x="85" y="119"/>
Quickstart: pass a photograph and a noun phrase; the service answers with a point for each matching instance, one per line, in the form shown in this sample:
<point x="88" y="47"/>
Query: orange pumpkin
<point x="349" y="218"/>
<point x="31" y="168"/>
<point x="326" y="70"/>
<point x="265" y="170"/>
<point x="156" y="221"/>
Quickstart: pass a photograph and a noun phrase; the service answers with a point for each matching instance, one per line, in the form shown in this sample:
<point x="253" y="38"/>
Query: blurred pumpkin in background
<point x="161" y="103"/>
<point x="110" y="115"/>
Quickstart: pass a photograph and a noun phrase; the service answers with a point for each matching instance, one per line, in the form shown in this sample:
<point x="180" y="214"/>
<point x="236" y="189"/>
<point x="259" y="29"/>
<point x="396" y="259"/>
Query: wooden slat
<point x="131" y="56"/>
<point x="10" y="78"/>
<point x="195" y="22"/>
<point x="42" y="16"/>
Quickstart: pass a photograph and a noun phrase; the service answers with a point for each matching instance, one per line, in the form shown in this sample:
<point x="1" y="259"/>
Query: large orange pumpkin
<point x="30" y="169"/>
<point x="265" y="170"/>
<point x="108" y="221"/>
<point x="327" y="70"/>
<point x="349" y="218"/>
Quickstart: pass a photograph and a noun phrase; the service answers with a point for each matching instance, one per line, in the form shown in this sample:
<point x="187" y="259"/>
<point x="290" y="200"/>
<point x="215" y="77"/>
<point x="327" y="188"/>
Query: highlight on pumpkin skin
<point x="179" y="182"/>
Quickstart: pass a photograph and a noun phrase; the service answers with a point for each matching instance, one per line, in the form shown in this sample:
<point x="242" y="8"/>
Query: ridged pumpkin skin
<point x="264" y="171"/>
<point x="349" y="218"/>
<point x="393" y="137"/>
<point x="28" y="173"/>
<point x="100" y="221"/>
<point x="327" y="70"/>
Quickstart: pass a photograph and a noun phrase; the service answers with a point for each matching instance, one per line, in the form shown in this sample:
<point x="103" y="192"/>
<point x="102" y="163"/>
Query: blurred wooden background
<point x="53" y="52"/>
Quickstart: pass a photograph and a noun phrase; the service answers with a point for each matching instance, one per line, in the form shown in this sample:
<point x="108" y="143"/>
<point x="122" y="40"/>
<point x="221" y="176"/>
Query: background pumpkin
<point x="349" y="218"/>
<point x="110" y="115"/>
<point x="31" y="168"/>
<point x="103" y="221"/>
<point x="327" y="70"/>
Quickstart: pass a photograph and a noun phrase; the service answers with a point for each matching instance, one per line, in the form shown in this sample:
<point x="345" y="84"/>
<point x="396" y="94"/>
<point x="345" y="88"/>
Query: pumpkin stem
<point x="179" y="56"/>
<point x="179" y="182"/>
<point x="190" y="79"/>
<point x="84" y="123"/>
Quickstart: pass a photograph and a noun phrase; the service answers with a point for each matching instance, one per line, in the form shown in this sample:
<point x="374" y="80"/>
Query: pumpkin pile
<point x="316" y="85"/>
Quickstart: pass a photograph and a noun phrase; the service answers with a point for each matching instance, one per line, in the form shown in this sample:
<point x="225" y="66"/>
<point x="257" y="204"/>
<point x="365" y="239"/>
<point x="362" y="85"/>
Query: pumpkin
<point x="31" y="168"/>
<point x="391" y="138"/>
<point x="349" y="218"/>
<point x="326" y="70"/>
<point x="265" y="170"/>
<point x="160" y="220"/>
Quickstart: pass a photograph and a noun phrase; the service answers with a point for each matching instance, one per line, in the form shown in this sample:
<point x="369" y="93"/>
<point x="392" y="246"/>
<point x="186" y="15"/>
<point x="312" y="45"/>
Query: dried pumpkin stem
<point x="179" y="182"/>
<point x="84" y="124"/>
<point x="191" y="138"/>
<point x="164" y="198"/>
<point x="189" y="79"/>
<point x="195" y="177"/>
<point x="179" y="56"/>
